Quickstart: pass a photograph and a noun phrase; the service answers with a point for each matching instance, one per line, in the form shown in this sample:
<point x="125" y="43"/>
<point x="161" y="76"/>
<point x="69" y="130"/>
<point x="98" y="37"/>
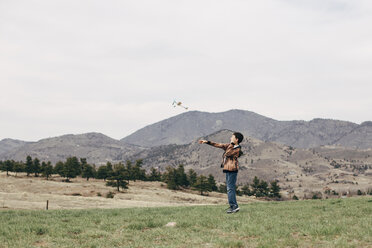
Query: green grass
<point x="310" y="223"/>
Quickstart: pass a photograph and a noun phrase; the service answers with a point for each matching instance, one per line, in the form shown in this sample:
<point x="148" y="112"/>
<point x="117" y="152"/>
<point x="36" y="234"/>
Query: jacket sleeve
<point x="233" y="153"/>
<point x="218" y="145"/>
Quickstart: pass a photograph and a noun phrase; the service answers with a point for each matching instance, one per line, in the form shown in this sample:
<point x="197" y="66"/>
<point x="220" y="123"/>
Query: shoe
<point x="233" y="210"/>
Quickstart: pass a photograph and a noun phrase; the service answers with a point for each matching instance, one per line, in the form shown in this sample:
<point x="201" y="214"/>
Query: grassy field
<point x="310" y="223"/>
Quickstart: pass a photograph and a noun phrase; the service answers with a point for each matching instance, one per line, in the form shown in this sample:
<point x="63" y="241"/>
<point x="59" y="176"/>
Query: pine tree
<point x="192" y="177"/>
<point x="255" y="186"/>
<point x="259" y="187"/>
<point x="138" y="172"/>
<point x="222" y="188"/>
<point x="181" y="177"/>
<point x="59" y="169"/>
<point x="102" y="172"/>
<point x="154" y="175"/>
<point x="118" y="177"/>
<point x="18" y="167"/>
<point x="246" y="190"/>
<point x="125" y="173"/>
<point x="36" y="167"/>
<point x="71" y="168"/>
<point x="212" y="183"/>
<point x="109" y="169"/>
<point x="274" y="190"/>
<point x="46" y="169"/>
<point x="170" y="177"/>
<point x="43" y="165"/>
<point x="129" y="168"/>
<point x="29" y="165"/>
<point x="8" y="166"/>
<point x="263" y="189"/>
<point x="88" y="172"/>
<point x="202" y="184"/>
<point x="83" y="163"/>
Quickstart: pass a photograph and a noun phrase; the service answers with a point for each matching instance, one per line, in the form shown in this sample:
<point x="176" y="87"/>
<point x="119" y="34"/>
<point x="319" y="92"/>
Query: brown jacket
<point x="230" y="156"/>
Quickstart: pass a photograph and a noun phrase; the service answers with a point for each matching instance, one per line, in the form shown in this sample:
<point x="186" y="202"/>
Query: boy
<point x="230" y="166"/>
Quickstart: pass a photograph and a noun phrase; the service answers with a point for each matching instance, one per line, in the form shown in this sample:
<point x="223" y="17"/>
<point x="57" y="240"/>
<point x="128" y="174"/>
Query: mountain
<point x="314" y="133"/>
<point x="183" y="128"/>
<point x="161" y="138"/>
<point x="7" y="145"/>
<point x="359" y="138"/>
<point x="96" y="147"/>
<point x="296" y="170"/>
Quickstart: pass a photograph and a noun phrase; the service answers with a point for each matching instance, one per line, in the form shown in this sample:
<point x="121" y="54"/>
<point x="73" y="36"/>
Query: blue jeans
<point x="231" y="188"/>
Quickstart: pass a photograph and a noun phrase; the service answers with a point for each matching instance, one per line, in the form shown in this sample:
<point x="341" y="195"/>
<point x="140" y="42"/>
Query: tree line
<point x="119" y="175"/>
<point x="176" y="178"/>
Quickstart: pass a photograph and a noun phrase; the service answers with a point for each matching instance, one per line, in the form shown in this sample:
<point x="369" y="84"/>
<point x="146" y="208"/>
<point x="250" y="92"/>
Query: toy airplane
<point x="179" y="104"/>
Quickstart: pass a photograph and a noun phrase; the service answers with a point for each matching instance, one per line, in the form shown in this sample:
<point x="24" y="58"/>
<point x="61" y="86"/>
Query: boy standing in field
<point x="230" y="166"/>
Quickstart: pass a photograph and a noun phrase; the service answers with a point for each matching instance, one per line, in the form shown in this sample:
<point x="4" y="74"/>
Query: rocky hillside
<point x="96" y="147"/>
<point x="184" y="128"/>
<point x="359" y="137"/>
<point x="7" y="145"/>
<point x="297" y="170"/>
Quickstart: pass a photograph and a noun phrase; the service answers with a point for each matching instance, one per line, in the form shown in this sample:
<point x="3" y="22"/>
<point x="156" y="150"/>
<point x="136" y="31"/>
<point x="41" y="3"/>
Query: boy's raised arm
<point x="218" y="145"/>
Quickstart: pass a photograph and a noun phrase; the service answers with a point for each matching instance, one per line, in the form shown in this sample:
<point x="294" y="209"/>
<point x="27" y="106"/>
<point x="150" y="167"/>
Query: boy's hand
<point x="203" y="141"/>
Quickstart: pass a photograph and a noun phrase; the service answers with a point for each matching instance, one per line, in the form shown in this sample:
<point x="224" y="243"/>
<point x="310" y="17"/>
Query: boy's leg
<point x="230" y="184"/>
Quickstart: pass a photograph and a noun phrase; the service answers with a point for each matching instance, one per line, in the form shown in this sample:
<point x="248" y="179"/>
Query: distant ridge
<point x="96" y="147"/>
<point x="183" y="128"/>
<point x="7" y="145"/>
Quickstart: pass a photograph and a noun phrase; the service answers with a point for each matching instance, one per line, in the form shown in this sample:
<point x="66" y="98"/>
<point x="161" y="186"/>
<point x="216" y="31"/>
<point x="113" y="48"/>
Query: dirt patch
<point x="41" y="243"/>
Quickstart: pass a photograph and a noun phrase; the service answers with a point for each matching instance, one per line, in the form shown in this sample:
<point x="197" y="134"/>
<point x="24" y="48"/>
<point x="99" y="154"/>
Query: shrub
<point x="317" y="195"/>
<point x="110" y="195"/>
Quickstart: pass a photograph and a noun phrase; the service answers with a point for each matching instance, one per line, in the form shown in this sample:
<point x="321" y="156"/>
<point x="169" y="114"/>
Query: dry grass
<point x="24" y="192"/>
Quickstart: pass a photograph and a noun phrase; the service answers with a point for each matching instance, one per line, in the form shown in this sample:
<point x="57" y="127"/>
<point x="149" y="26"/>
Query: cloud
<point x="286" y="59"/>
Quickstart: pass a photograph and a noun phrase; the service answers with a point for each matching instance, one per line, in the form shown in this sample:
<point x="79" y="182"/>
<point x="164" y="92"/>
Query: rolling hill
<point x="184" y="128"/>
<point x="96" y="147"/>
<point x="299" y="171"/>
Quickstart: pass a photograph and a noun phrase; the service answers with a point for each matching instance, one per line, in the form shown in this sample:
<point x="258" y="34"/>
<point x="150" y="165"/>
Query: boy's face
<point x="233" y="139"/>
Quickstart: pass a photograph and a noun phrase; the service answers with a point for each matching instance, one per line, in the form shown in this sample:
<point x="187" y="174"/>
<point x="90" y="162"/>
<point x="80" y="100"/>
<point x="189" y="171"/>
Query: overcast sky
<point x="116" y="66"/>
